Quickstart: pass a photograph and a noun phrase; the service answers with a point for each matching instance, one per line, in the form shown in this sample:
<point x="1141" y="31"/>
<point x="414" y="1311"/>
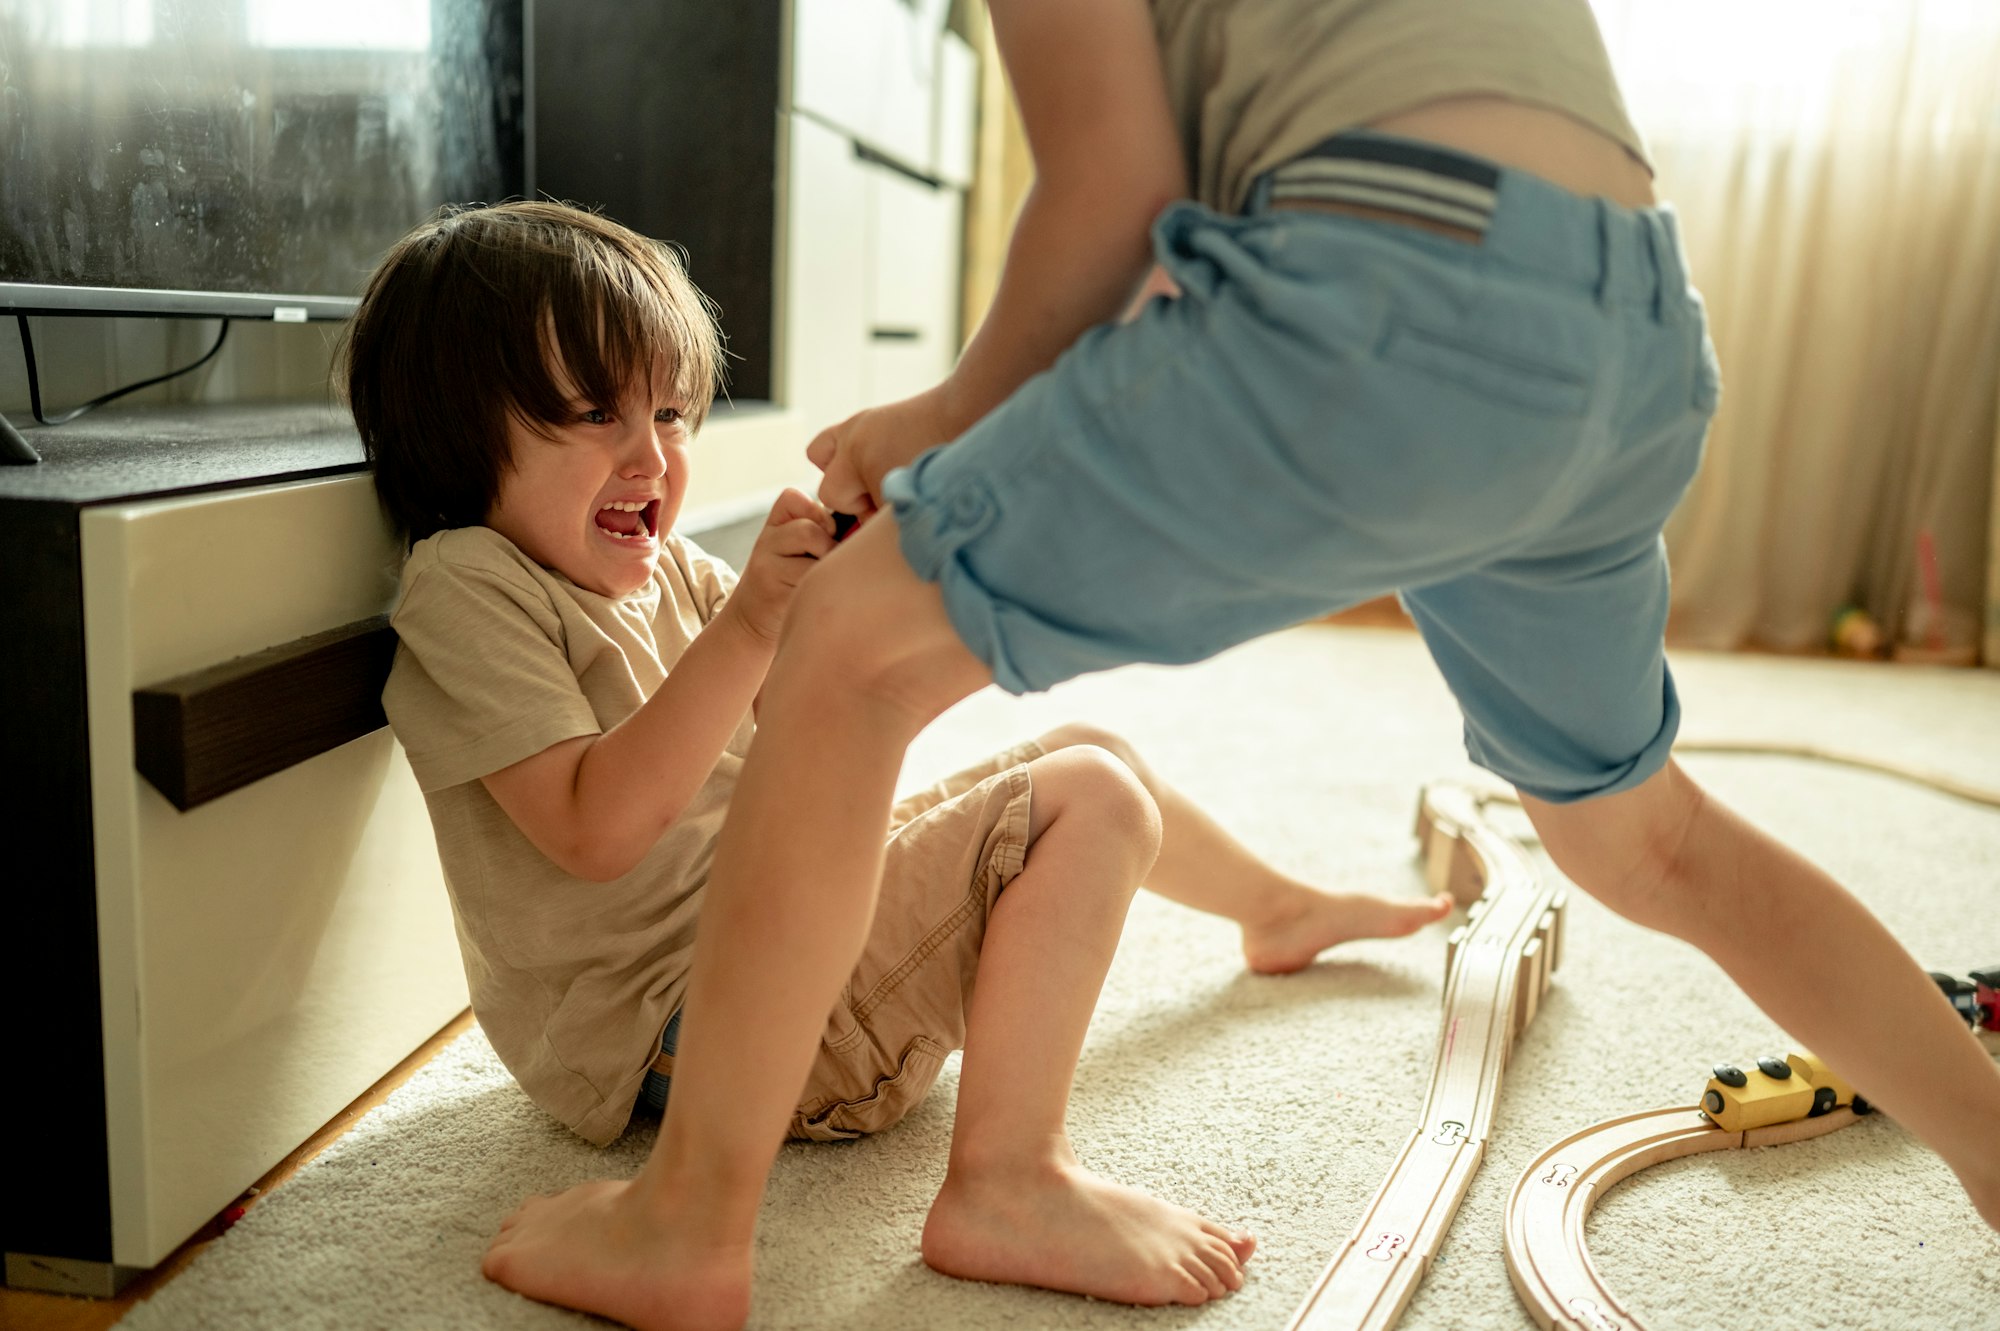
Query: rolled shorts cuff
<point x="1554" y="786"/>
<point x="935" y="520"/>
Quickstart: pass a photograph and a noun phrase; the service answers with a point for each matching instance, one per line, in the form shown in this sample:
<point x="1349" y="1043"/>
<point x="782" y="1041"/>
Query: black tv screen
<point x="250" y="158"/>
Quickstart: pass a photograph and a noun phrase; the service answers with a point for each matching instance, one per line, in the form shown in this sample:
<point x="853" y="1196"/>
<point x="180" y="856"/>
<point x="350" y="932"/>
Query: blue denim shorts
<point x="1494" y="426"/>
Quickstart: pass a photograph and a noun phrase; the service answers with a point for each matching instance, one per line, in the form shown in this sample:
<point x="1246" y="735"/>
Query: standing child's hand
<point x="795" y="536"/>
<point x="857" y="453"/>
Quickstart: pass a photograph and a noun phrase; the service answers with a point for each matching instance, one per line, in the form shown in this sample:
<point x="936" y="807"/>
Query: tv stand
<point x="210" y="958"/>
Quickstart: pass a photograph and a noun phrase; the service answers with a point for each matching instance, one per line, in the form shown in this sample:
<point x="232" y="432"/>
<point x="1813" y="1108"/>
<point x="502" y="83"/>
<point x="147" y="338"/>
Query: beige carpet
<point x="1279" y="1103"/>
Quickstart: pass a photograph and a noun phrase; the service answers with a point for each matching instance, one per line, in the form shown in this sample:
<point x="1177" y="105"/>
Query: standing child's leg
<point x="1286" y="923"/>
<point x="1016" y="1206"/>
<point x="1668" y="856"/>
<point x="868" y="659"/>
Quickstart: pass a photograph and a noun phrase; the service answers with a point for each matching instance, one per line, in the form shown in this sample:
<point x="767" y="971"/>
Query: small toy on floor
<point x="1855" y="633"/>
<point x="1775" y="1090"/>
<point x="1975" y="995"/>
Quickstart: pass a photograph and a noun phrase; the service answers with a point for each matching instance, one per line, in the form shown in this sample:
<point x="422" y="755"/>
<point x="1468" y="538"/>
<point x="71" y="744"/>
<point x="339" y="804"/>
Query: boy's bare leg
<point x="1809" y="954"/>
<point x="1016" y="1206"/>
<point x="867" y="660"/>
<point x="1286" y="923"/>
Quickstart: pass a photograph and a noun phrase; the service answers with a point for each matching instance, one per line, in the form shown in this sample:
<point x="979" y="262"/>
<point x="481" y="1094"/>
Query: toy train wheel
<point x="1712" y="1103"/>
<point x="1861" y="1106"/>
<point x="1823" y="1101"/>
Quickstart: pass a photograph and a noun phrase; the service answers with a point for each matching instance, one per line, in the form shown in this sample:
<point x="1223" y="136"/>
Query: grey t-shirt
<point x="500" y="658"/>
<point x="1254" y="83"/>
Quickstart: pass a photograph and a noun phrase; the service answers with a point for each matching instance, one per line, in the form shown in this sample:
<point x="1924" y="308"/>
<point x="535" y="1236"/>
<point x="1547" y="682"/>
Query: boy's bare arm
<point x="597" y="803"/>
<point x="1107" y="159"/>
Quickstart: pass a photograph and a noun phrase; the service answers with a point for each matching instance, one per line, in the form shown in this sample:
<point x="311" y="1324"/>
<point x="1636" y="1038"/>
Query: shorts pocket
<point x="890" y="1099"/>
<point x="1487" y="371"/>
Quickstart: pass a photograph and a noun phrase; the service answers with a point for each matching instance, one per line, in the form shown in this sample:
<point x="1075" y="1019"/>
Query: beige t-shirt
<point x="500" y="658"/>
<point x="1254" y="83"/>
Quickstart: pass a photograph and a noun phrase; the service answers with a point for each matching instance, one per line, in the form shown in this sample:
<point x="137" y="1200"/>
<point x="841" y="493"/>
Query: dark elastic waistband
<point x="1617" y="253"/>
<point x="1398" y="175"/>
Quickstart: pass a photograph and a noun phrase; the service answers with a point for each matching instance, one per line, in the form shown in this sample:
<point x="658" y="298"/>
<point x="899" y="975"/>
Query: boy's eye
<point x="667" y="415"/>
<point x="594" y="416"/>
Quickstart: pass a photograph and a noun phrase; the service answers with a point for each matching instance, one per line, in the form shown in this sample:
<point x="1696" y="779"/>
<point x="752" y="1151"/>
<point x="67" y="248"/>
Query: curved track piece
<point x="1543" y="1238"/>
<point x="1497" y="968"/>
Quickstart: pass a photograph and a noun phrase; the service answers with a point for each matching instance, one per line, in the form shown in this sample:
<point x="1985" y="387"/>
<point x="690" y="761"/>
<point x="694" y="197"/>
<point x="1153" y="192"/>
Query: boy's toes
<point x="1205" y="1283"/>
<point x="1241" y="1241"/>
<point x="1222" y="1261"/>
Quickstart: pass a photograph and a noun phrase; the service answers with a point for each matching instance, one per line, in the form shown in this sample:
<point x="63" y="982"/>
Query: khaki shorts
<point x="951" y="849"/>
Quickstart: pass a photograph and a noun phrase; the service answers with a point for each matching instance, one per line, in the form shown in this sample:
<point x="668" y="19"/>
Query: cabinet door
<point x="870" y="67"/>
<point x="267" y="956"/>
<point x="826" y="252"/>
<point x="913" y="294"/>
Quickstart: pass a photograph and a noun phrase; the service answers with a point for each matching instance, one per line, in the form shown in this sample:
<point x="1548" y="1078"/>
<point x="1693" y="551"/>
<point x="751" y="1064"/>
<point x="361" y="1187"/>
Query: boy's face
<point x="593" y="501"/>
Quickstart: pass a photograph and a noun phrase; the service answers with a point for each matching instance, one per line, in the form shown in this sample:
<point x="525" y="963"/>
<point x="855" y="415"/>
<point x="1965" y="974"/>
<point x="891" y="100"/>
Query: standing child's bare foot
<point x="596" y="1249"/>
<point x="1308" y="921"/>
<point x="1061" y="1227"/>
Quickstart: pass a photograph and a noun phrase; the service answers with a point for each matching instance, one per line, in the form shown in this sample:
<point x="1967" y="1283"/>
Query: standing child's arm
<point x="596" y="804"/>
<point x="1094" y="104"/>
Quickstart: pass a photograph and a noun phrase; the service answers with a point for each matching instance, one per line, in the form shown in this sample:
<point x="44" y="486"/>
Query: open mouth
<point x="632" y="520"/>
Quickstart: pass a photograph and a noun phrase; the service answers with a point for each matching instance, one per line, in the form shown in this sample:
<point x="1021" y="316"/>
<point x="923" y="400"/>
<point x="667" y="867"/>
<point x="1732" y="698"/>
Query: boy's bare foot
<point x="1061" y="1227"/>
<point x="1310" y="921"/>
<point x="595" y="1248"/>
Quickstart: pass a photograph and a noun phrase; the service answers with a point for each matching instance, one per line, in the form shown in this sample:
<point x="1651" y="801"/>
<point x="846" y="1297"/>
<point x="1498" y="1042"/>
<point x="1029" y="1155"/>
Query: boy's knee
<point x="1629" y="850"/>
<point x="1080" y="734"/>
<point x="865" y="632"/>
<point x="1096" y="784"/>
<point x="847" y="637"/>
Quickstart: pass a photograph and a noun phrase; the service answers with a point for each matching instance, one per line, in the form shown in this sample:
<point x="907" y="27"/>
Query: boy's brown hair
<point x="474" y="316"/>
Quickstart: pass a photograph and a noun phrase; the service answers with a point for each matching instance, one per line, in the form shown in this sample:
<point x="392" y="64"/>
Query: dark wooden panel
<point x="56" y="1199"/>
<point x="680" y="144"/>
<point x="217" y="730"/>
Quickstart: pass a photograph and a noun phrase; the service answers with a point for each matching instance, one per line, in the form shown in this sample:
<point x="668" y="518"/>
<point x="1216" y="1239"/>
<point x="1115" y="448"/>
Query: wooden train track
<point x="1544" y="1241"/>
<point x="1497" y="968"/>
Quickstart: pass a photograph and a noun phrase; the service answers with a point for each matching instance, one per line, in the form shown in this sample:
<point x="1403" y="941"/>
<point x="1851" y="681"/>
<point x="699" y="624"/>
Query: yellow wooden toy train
<point x="1775" y="1090"/>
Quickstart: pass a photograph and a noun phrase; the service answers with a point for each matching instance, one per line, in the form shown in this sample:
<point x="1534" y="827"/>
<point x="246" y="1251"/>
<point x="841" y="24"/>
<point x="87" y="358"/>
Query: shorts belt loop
<point x="1673" y="263"/>
<point x="1260" y="195"/>
<point x="1657" y="262"/>
<point x="1607" y="258"/>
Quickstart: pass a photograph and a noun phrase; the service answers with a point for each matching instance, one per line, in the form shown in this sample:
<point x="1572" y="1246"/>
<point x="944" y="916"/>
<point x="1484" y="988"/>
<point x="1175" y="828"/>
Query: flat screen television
<point x="242" y="158"/>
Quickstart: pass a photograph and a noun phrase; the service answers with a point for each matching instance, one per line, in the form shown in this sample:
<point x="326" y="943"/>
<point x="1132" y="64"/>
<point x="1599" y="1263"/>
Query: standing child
<point x="1434" y="337"/>
<point x="575" y="685"/>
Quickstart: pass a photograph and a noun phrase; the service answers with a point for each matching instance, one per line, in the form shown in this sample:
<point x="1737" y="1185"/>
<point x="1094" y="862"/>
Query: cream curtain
<point x="1836" y="164"/>
<point x="1991" y="651"/>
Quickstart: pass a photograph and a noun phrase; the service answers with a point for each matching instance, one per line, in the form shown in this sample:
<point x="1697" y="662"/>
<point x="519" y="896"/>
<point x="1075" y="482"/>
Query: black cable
<point x="35" y="385"/>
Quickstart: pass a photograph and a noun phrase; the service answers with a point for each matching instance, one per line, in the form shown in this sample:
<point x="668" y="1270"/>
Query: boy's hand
<point x="857" y="453"/>
<point x="795" y="536"/>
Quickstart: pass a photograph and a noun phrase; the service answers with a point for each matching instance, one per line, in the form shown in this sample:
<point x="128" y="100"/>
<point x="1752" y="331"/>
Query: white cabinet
<point x="914" y="247"/>
<point x="880" y="141"/>
<point x="889" y="74"/>
<point x="266" y="956"/>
